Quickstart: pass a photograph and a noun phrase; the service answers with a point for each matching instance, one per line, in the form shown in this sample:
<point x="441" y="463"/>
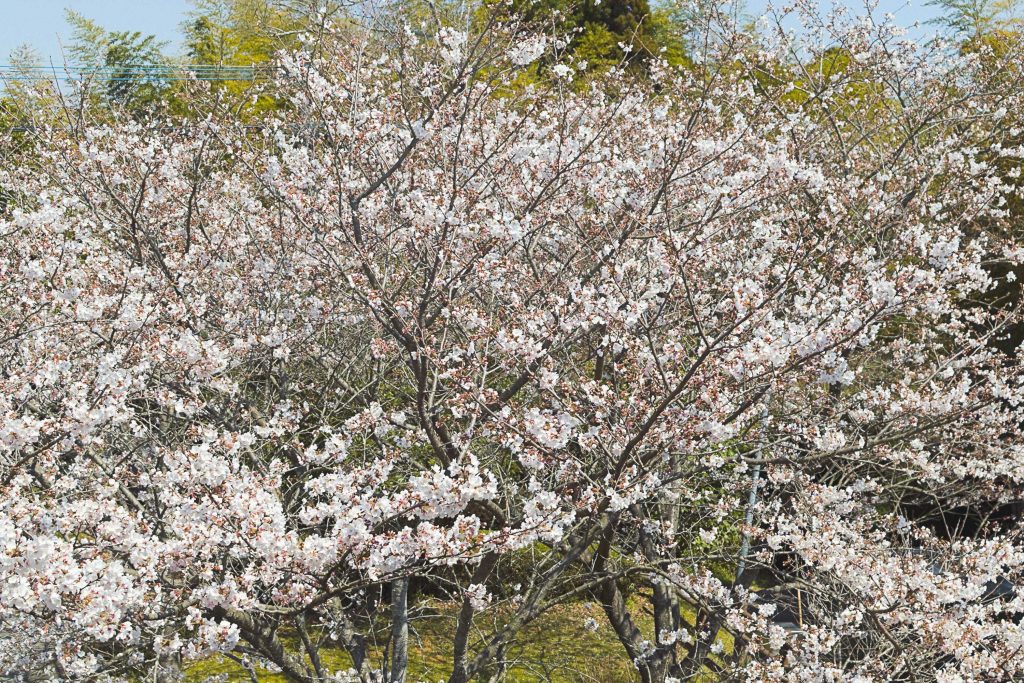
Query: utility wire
<point x="136" y="72"/>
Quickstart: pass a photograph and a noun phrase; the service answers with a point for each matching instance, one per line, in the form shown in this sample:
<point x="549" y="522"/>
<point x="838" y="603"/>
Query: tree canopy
<point x="456" y="332"/>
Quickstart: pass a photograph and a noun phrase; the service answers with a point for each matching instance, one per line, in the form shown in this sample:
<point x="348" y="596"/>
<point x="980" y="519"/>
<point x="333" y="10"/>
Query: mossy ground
<point x="558" y="647"/>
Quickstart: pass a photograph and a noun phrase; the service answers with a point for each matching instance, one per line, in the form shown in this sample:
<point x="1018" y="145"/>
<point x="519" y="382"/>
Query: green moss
<point x="556" y="647"/>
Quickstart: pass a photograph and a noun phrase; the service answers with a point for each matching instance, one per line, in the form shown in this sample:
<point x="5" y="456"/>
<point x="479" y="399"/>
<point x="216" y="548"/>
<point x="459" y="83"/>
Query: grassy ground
<point x="557" y="647"/>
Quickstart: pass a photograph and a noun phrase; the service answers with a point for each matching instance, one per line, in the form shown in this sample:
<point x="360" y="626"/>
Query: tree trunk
<point x="399" y="629"/>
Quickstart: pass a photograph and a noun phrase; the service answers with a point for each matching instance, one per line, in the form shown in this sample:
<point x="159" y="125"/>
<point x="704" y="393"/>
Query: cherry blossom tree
<point x="704" y="341"/>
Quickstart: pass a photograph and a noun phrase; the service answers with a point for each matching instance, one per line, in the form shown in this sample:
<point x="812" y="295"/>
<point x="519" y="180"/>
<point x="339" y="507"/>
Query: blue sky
<point x="41" y="22"/>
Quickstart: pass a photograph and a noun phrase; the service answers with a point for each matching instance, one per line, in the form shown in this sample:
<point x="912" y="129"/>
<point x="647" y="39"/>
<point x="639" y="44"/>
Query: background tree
<point x="975" y="18"/>
<point x="127" y="64"/>
<point x="247" y="33"/>
<point x="28" y="92"/>
<point x="607" y="33"/>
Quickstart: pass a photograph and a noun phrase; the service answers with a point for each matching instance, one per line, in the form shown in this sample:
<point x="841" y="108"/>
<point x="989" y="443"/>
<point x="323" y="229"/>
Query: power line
<point x="137" y="72"/>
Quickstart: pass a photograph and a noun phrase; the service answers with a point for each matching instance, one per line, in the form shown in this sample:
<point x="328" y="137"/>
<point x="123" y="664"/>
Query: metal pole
<point x="751" y="502"/>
